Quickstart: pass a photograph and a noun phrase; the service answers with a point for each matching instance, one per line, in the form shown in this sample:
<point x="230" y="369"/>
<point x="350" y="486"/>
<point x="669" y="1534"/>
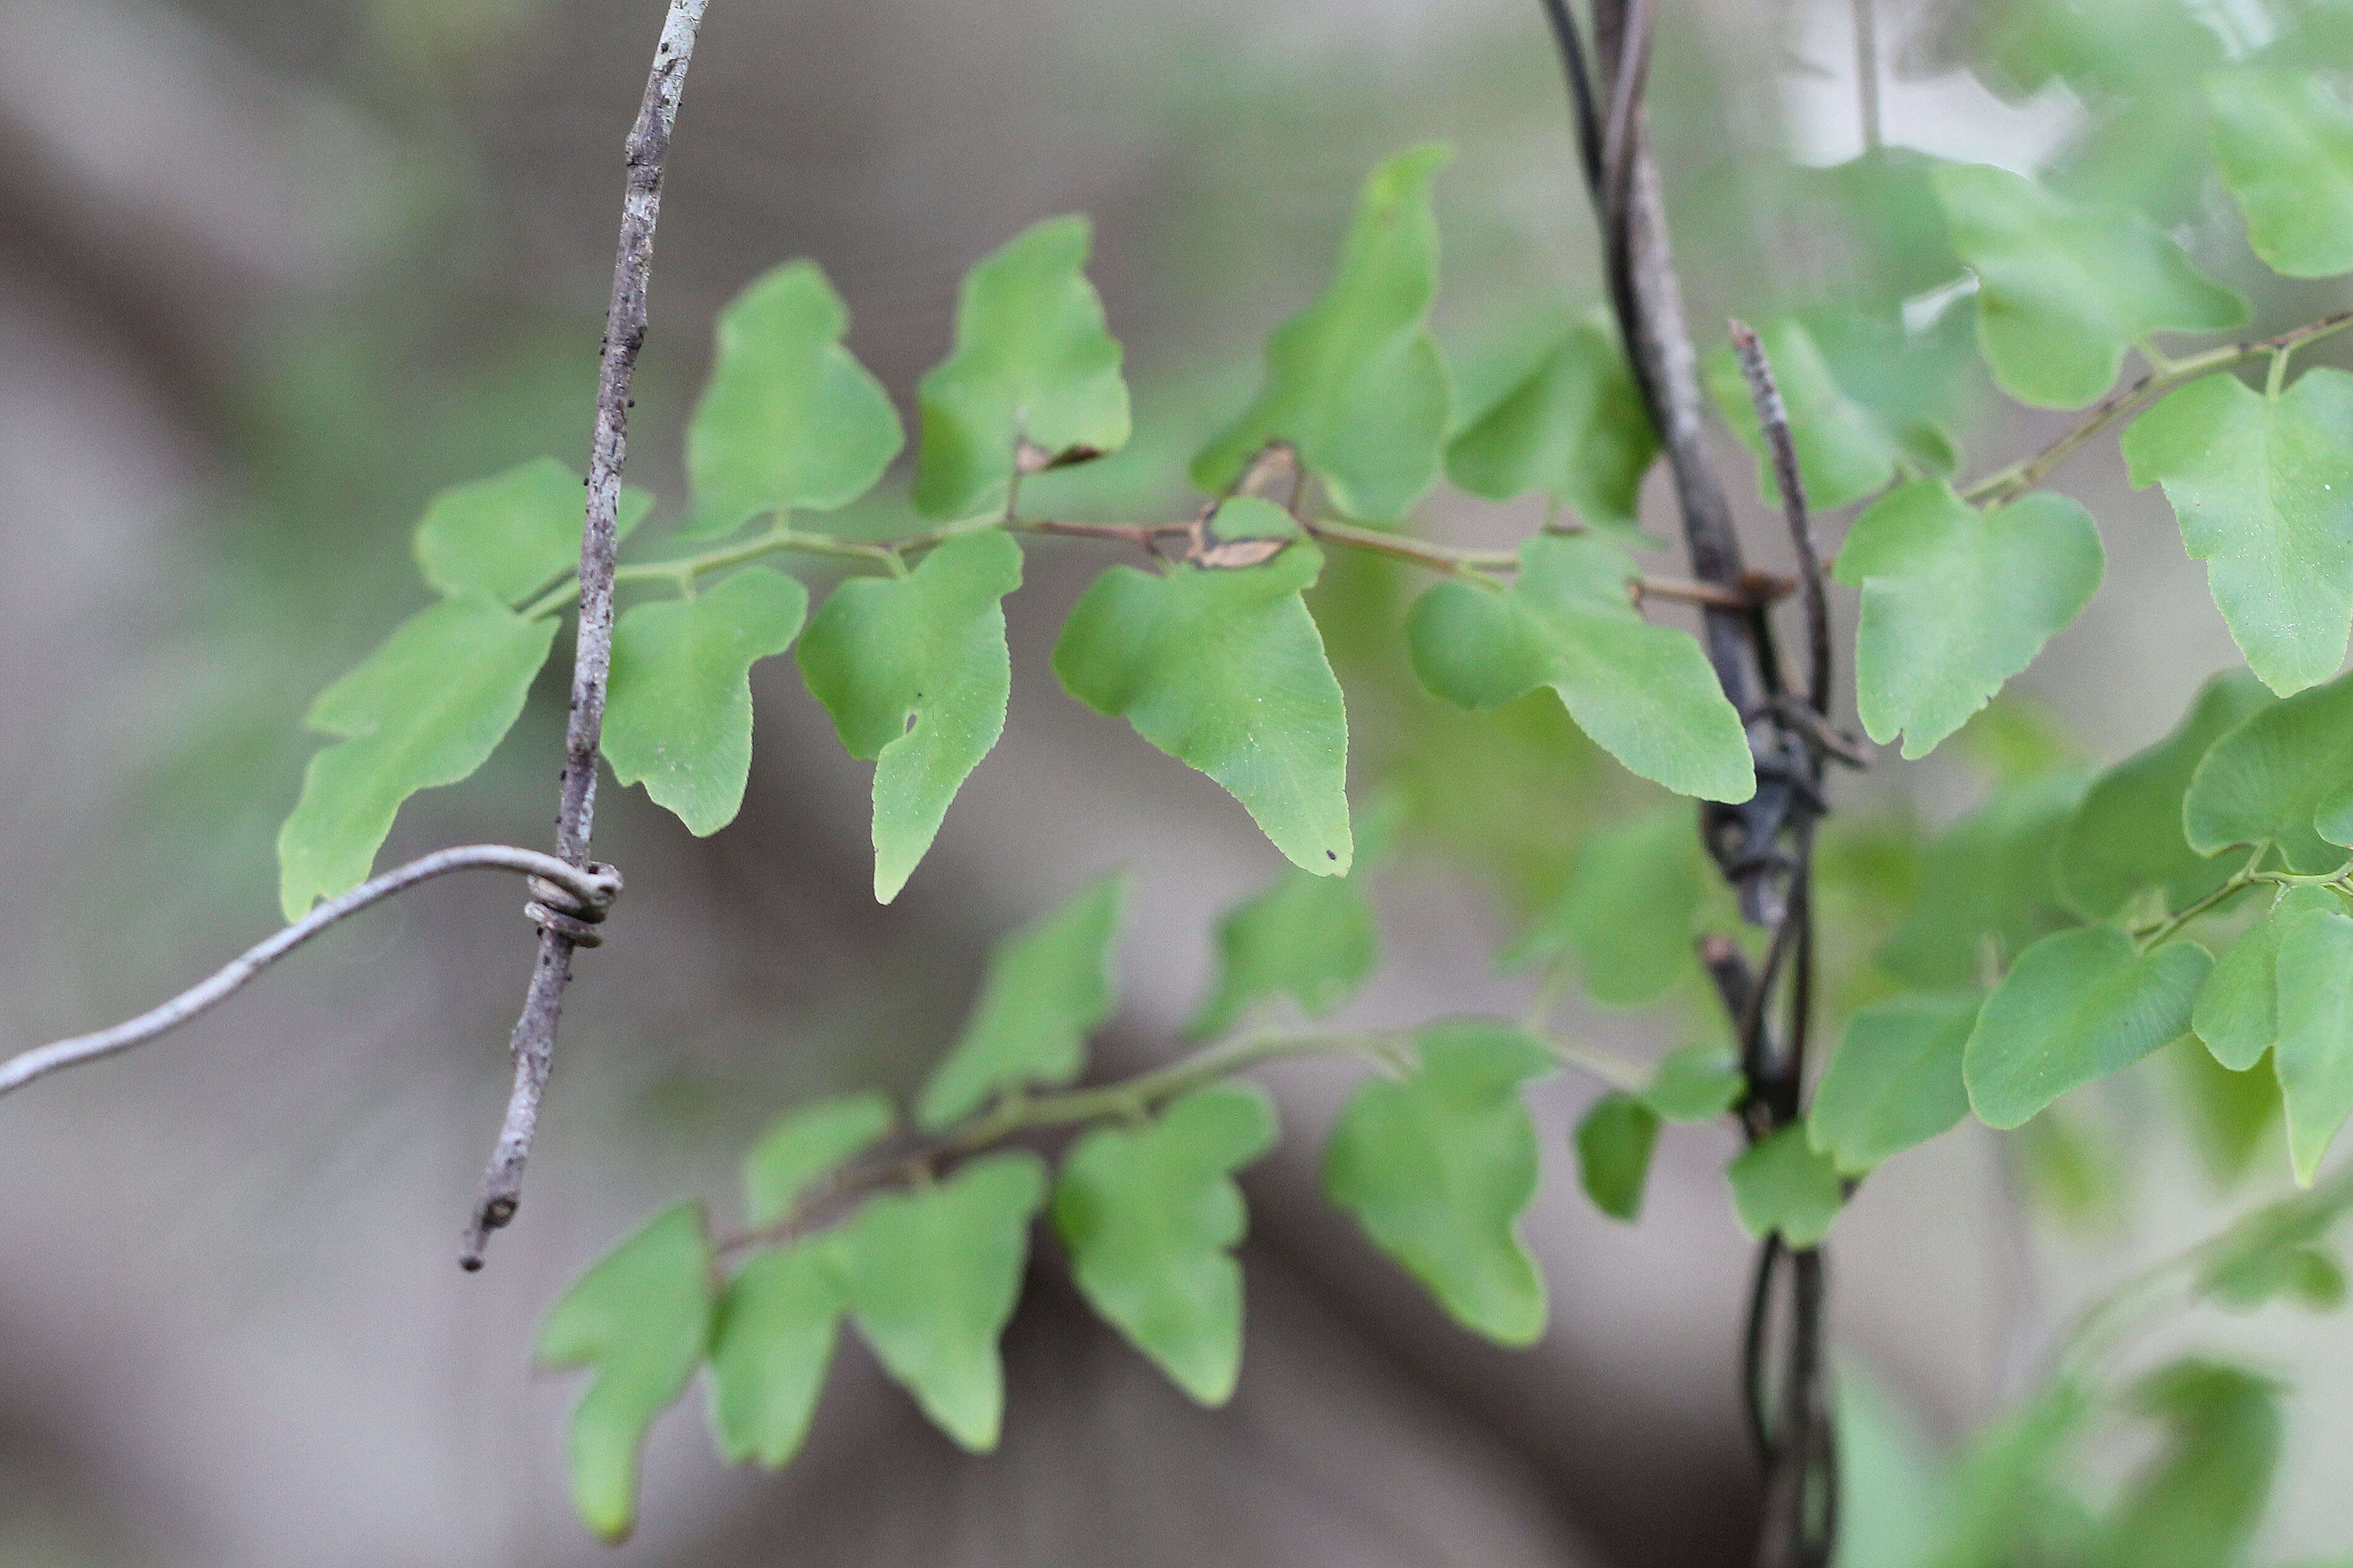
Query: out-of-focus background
<point x="278" y="270"/>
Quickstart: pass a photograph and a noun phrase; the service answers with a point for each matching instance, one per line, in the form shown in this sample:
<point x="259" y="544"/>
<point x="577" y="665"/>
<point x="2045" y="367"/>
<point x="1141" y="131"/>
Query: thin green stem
<point x="1479" y="565"/>
<point x="2028" y="472"/>
<point x="2246" y="877"/>
<point x="1015" y="1114"/>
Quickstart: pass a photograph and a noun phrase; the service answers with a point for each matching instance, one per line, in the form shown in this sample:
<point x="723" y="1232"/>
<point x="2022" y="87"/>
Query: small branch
<point x="2015" y="480"/>
<point x="1585" y="117"/>
<point x="586" y="893"/>
<point x="1773" y="418"/>
<point x="532" y="1045"/>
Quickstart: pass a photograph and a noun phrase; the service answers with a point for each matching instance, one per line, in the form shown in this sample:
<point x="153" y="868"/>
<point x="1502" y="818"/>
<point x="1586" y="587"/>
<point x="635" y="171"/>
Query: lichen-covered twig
<point x="533" y="1042"/>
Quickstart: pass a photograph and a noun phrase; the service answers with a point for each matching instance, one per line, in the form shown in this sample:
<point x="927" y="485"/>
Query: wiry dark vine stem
<point x="533" y="1041"/>
<point x="1763" y="846"/>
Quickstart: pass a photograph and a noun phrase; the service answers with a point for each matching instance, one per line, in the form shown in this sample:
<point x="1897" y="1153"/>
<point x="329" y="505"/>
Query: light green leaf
<point x="1896" y="1080"/>
<point x="1049" y="986"/>
<point x="1628" y="909"/>
<point x="2064" y="290"/>
<point x="426" y="709"/>
<point x="1956" y="601"/>
<point x="509" y="535"/>
<point x="2126" y="835"/>
<point x="2273" y="779"/>
<point x="1844" y="451"/>
<point x="773" y="1340"/>
<point x="2262" y="1254"/>
<point x="642" y="1319"/>
<point x="2263" y="488"/>
<point x="1438" y="1167"/>
<point x="1645" y="693"/>
<point x="1150" y="1215"/>
<point x="1696" y="1083"/>
<point x="1613" y="1153"/>
<point x="1034" y="367"/>
<point x="1225" y="671"/>
<point x="932" y="1276"/>
<point x="1355" y="381"/>
<point x="1780" y="1182"/>
<point x="789" y="419"/>
<point x="1570" y="426"/>
<point x="2314" y="1056"/>
<point x="2284" y="143"/>
<point x="678" y="715"/>
<point x="1990" y="876"/>
<point x="806" y="1143"/>
<point x="2236" y="1015"/>
<point x="2077" y="1006"/>
<point x="1312" y="939"/>
<point x="2197" y="1502"/>
<point x="915" y="673"/>
<point x="2286" y="986"/>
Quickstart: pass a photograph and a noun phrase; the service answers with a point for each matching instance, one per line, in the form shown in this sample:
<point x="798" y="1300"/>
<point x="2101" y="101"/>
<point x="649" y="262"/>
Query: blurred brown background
<point x="276" y="271"/>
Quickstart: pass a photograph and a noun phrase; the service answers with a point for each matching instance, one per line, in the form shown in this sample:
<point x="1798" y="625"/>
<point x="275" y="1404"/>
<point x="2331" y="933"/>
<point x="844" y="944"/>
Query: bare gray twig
<point x="591" y="889"/>
<point x="533" y="1042"/>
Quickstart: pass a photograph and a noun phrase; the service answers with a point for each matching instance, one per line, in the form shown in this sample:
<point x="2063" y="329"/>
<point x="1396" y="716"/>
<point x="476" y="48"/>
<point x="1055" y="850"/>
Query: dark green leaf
<point x="915" y="673"/>
<point x="1896" y="1080"/>
<point x="2077" y="1006"/>
<point x="1956" y="601"/>
<point x="777" y="1327"/>
<point x="1696" y="1083"/>
<point x="1644" y="693"/>
<point x="642" y="1319"/>
<point x="1049" y="986"/>
<point x="1570" y="424"/>
<point x="1627" y="911"/>
<point x="426" y="709"/>
<point x="1613" y="1153"/>
<point x="2126" y="835"/>
<point x="2196" y="1504"/>
<point x="803" y="1145"/>
<point x="1225" y="671"/>
<point x="932" y="1276"/>
<point x="509" y="535"/>
<point x="2270" y="780"/>
<point x="1438" y="1167"/>
<point x="678" y="717"/>
<point x="1844" y="451"/>
<point x="2264" y="489"/>
<point x="789" y="419"/>
<point x="1034" y="367"/>
<point x="2286" y="145"/>
<point x="1988" y="877"/>
<point x="2064" y="290"/>
<point x="1782" y="1183"/>
<point x="1150" y="1215"/>
<point x="1312" y="939"/>
<point x="2230" y="1114"/>
<point x="1355" y="381"/>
